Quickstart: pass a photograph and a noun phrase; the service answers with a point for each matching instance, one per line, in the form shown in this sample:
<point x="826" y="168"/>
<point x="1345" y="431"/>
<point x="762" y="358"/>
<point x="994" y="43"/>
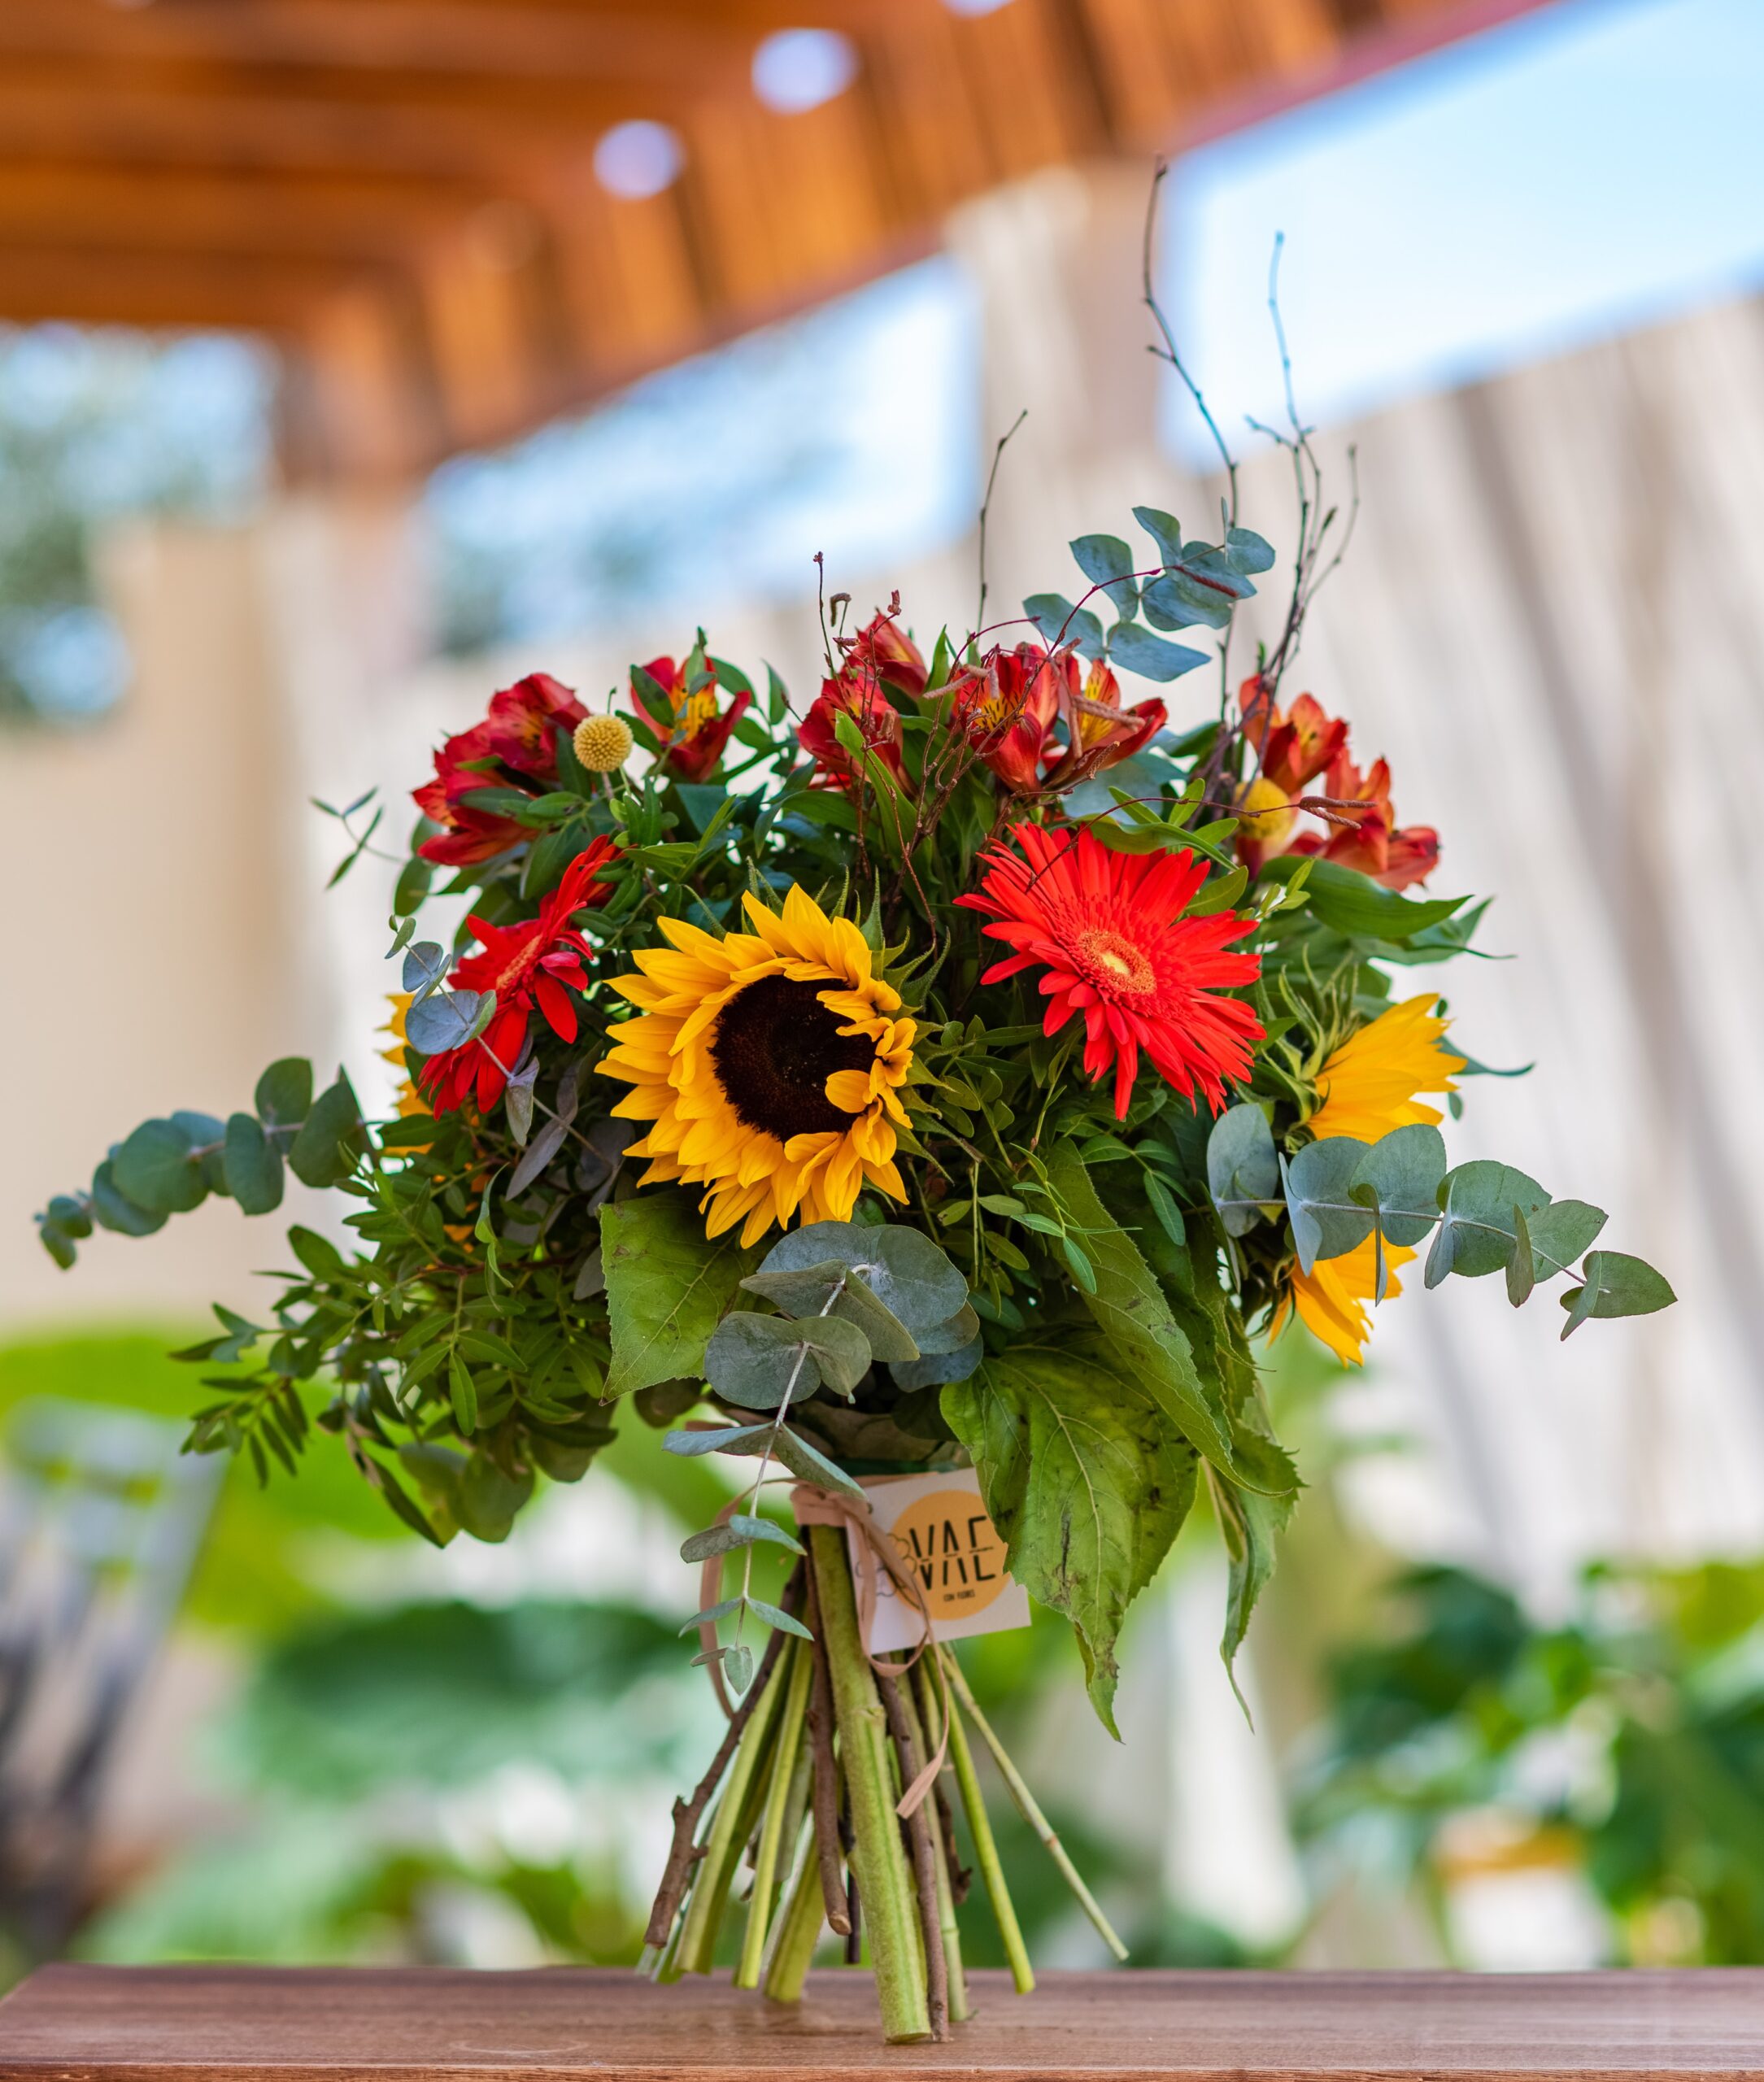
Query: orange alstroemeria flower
<point x="1099" y="732"/>
<point x="1006" y="708"/>
<point x="1304" y="745"/>
<point x="692" y="744"/>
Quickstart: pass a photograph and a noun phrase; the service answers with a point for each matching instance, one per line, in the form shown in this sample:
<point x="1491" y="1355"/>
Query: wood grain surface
<point x="166" y="2023"/>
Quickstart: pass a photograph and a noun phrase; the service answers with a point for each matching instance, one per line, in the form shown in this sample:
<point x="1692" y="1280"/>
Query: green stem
<point x="723" y="1846"/>
<point x="798" y="1931"/>
<point x="784" y="1755"/>
<point x="925" y="1714"/>
<point x="1030" y="1811"/>
<point x="879" y="1858"/>
<point x="986" y="1857"/>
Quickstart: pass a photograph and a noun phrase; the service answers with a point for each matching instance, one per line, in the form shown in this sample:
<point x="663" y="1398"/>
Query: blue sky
<point x="1575" y="174"/>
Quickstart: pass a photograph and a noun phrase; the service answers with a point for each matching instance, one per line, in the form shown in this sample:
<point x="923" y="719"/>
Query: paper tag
<point x="942" y="1533"/>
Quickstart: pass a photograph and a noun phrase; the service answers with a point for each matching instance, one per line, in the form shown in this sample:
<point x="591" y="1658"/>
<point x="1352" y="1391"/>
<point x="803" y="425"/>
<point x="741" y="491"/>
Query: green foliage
<point x="1648" y="1693"/>
<point x="666" y="1287"/>
<point x="1086" y="1481"/>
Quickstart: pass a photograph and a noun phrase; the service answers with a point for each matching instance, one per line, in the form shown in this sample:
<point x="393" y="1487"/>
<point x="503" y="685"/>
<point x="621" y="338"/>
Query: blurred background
<point x="359" y="355"/>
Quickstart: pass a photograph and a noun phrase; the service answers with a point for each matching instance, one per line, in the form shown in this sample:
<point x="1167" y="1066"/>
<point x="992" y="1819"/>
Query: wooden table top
<point x="409" y="2024"/>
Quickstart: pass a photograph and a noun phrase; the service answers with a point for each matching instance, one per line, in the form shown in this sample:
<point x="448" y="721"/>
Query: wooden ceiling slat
<point x="402" y="189"/>
<point x="326" y="216"/>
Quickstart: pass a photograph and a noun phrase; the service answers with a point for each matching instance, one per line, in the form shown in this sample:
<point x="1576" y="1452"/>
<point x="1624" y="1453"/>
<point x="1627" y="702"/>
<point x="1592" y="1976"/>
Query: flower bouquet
<point x="946" y="1084"/>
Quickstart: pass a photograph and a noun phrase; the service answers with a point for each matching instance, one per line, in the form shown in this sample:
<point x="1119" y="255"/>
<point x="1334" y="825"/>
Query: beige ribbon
<point x="832" y="1507"/>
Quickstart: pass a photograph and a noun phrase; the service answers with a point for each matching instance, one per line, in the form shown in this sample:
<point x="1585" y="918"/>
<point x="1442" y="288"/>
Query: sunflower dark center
<point x="774" y="1048"/>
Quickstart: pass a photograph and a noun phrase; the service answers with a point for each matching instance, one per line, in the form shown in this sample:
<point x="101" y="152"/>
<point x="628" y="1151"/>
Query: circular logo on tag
<point x="950" y="1544"/>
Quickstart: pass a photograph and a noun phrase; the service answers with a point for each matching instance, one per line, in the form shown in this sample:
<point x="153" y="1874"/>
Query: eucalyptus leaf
<point x="1242" y="1165"/>
<point x="1163" y="529"/>
<point x="1400" y="1175"/>
<point x="253" y="1164"/>
<point x="444" y="1021"/>
<point x="937" y="1369"/>
<point x="918" y="1283"/>
<point x="1149" y="657"/>
<point x="426" y="968"/>
<point x="961" y="1330"/>
<point x="1476" y="1234"/>
<point x="155" y="1168"/>
<point x="805" y="1291"/>
<point x="114" y="1210"/>
<point x="739" y="1530"/>
<point x="1561" y="1232"/>
<point x="323" y="1152"/>
<point x="1616" y="1284"/>
<point x="1325" y="1223"/>
<point x="754" y="1361"/>
<point x="284" y="1094"/>
<point x="774" y="1616"/>
<point x="727" y="1438"/>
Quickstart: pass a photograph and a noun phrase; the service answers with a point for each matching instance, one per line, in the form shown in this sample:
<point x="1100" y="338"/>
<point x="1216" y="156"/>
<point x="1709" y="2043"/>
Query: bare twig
<point x="986" y="508"/>
<point x="826" y="1784"/>
<point x="1168" y="352"/>
<point x="682" y="1853"/>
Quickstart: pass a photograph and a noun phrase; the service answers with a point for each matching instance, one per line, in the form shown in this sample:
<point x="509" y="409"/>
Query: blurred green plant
<point x="1626" y="1742"/>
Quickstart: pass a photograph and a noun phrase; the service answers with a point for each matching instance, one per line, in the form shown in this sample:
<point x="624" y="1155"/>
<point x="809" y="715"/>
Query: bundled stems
<point x="826" y="1736"/>
<point x="1026" y="1806"/>
<point x="784" y="1758"/>
<point x="924" y="1858"/>
<point x="986" y="1852"/>
<point x="879" y="1858"/>
<point x="682" y="1855"/>
<point x="826" y="1780"/>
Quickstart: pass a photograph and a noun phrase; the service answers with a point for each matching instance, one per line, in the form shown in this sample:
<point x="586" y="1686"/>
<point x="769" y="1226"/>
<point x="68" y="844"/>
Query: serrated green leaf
<point x="1086" y="1481"/>
<point x="667" y="1286"/>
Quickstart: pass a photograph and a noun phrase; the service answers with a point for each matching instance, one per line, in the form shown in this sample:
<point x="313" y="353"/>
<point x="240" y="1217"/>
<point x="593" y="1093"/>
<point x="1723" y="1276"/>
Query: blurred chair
<point x="101" y="1519"/>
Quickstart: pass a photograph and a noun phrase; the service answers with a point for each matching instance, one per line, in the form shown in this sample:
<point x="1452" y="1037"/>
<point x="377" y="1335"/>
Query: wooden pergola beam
<point x="403" y="191"/>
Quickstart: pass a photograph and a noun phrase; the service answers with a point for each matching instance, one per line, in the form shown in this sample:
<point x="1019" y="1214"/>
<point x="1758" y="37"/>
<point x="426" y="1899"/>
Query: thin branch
<point x="986" y="507"/>
<point x="1168" y="352"/>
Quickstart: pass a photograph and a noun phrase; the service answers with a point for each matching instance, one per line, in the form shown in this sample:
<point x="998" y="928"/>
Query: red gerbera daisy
<point x="527" y="966"/>
<point x="1108" y="928"/>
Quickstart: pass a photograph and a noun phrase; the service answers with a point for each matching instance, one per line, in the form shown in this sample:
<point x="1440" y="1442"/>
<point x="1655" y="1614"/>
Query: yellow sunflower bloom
<point x="410" y="1100"/>
<point x="769" y="1064"/>
<point x="1369" y="1086"/>
<point x="1332" y="1297"/>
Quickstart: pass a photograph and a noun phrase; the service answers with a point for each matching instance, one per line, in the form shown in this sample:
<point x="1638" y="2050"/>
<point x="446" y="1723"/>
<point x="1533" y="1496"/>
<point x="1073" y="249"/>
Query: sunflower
<point x="410" y="1100"/>
<point x="769" y="1064"/>
<point x="1109" y="929"/>
<point x="1331" y="1298"/>
<point x="1369" y="1086"/>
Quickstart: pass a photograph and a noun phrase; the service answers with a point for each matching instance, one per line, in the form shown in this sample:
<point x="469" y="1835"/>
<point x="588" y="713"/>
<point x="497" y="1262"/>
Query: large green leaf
<point x="1086" y="1480"/>
<point x="1616" y="1285"/>
<point x="667" y="1286"/>
<point x="1248" y="1524"/>
<point x="156" y="1170"/>
<point x="1354" y="904"/>
<point x="1143" y="1337"/>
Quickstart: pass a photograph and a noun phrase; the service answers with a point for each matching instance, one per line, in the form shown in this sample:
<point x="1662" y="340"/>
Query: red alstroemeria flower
<point x="857" y="692"/>
<point x="889" y="653"/>
<point x="1373" y="846"/>
<point x="1006" y="706"/>
<point x="1109" y="929"/>
<point x="520" y="732"/>
<point x="1099" y="732"/>
<point x="696" y="739"/>
<point x="527" y="966"/>
<point x="1297" y="748"/>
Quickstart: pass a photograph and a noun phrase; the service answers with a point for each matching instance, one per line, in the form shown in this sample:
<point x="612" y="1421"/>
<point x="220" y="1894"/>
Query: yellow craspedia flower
<point x="1368" y="1086"/>
<point x="410" y="1100"/>
<point x="769" y="1064"/>
<point x="602" y="743"/>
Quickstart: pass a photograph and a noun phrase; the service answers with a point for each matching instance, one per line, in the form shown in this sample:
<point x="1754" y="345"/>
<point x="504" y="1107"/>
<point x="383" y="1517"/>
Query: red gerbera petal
<point x="1108" y="928"/>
